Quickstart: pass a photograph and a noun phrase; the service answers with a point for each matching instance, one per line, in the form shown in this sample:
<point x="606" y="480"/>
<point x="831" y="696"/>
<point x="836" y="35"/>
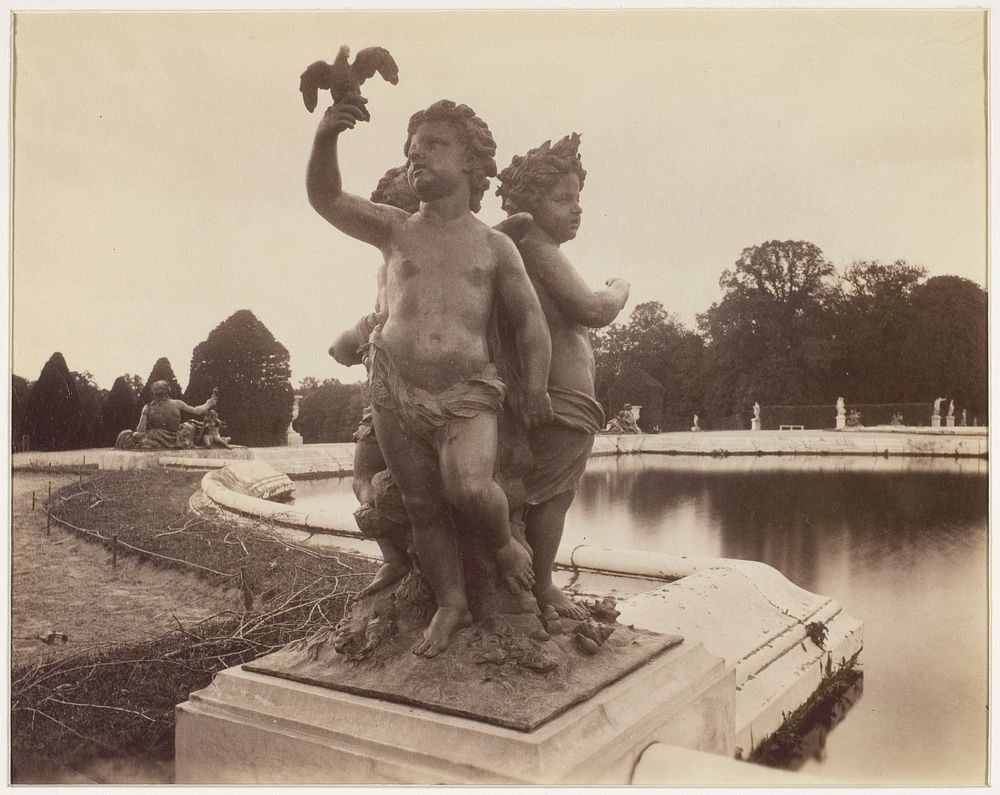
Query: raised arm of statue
<point x="353" y="215"/>
<point x="534" y="344"/>
<point x="196" y="411"/>
<point x="575" y="299"/>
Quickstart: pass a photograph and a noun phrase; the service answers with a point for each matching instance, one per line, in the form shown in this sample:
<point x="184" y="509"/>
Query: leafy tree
<point x="867" y="283"/>
<point x="92" y="399"/>
<point x="946" y="349"/>
<point x="162" y="371"/>
<point x="330" y="412"/>
<point x="667" y="353"/>
<point x="53" y="417"/>
<point x="20" y="389"/>
<point x="120" y="411"/>
<point x="771" y="336"/>
<point x="308" y="384"/>
<point x="250" y="368"/>
<point x="873" y="313"/>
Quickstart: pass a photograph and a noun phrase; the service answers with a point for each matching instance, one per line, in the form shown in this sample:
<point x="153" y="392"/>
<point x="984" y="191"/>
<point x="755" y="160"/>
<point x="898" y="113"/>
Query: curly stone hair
<point x="476" y="136"/>
<point x="529" y="176"/>
<point x="394" y="189"/>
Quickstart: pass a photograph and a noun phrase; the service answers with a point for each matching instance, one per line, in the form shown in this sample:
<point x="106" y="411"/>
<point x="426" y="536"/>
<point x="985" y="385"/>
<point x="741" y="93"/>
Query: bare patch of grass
<point x="119" y="701"/>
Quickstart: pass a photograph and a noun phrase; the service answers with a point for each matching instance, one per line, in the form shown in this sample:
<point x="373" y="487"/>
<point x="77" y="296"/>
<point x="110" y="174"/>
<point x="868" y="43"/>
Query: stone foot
<point x="514" y="563"/>
<point x="554" y="597"/>
<point x="438" y="634"/>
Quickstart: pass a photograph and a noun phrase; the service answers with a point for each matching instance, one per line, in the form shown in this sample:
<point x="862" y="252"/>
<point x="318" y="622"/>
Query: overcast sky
<point x="159" y="171"/>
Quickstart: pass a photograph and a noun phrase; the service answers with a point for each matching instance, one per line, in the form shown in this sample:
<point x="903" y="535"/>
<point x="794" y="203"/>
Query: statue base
<point x="253" y="728"/>
<point x="935" y="422"/>
<point x="476" y="677"/>
<point x="754" y="424"/>
<point x="949" y="422"/>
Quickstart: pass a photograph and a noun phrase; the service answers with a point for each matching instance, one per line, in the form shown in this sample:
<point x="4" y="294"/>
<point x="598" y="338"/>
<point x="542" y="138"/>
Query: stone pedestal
<point x="949" y="421"/>
<point x="935" y="420"/>
<point x="841" y="422"/>
<point x="754" y="424"/>
<point x="251" y="728"/>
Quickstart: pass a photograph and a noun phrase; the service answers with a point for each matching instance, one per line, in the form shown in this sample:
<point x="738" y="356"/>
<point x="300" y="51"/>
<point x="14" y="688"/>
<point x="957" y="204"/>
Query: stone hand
<point x="338" y="117"/>
<point x="368" y="323"/>
<point x="516" y="226"/>
<point x="620" y="286"/>
<point x="537" y="409"/>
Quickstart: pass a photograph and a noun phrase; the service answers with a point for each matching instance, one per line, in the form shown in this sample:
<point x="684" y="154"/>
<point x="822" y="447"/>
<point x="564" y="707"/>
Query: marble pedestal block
<point x="754" y="424"/>
<point x="251" y="728"/>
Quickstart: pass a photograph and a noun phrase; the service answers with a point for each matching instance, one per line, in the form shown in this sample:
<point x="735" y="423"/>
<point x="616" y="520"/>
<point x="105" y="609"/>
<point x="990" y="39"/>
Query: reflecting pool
<point x="901" y="543"/>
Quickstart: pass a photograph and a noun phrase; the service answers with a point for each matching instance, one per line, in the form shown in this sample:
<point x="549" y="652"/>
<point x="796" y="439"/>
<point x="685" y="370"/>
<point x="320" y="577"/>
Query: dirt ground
<point x="61" y="583"/>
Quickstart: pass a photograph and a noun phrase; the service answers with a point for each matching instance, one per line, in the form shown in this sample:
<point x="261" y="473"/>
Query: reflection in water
<point x="792" y="749"/>
<point x="901" y="543"/>
<point x="791" y="513"/>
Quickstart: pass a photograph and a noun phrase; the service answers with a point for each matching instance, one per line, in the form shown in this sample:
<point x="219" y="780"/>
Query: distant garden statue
<point x="755" y="419"/>
<point x="854" y="419"/>
<point x="936" y="413"/>
<point x="841" y="418"/>
<point x="162" y="424"/>
<point x="897" y="418"/>
<point x="623" y="422"/>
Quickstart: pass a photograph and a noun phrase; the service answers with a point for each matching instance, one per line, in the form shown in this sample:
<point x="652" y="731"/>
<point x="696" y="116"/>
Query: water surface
<point x="901" y="543"/>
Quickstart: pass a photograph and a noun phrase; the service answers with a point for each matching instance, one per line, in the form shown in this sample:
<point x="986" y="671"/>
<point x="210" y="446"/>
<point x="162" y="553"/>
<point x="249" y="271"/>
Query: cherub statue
<point x="546" y="182"/>
<point x="211" y="433"/>
<point x="435" y="392"/>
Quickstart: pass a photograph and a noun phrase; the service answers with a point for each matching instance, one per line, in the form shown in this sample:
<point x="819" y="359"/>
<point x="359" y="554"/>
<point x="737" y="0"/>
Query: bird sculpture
<point x="344" y="79"/>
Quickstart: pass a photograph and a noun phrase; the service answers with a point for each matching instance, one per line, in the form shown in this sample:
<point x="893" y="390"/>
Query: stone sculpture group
<point x="481" y="380"/>
<point x="168" y="423"/>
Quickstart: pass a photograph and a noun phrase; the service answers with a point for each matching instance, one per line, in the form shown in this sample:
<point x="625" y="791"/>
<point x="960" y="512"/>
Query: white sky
<point x="160" y="158"/>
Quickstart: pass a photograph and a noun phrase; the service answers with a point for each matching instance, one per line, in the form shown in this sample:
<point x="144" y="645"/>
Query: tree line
<point x="66" y="410"/>
<point x="789" y="329"/>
